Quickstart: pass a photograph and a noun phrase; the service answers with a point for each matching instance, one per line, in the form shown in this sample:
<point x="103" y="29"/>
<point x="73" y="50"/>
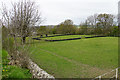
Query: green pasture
<point x="66" y="37"/>
<point x="84" y="58"/>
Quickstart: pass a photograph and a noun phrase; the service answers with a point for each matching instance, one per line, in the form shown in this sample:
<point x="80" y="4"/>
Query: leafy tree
<point x="42" y="30"/>
<point x="100" y="24"/>
<point x="114" y="31"/>
<point x="66" y="27"/>
<point x="83" y="28"/>
<point x="54" y="30"/>
<point x="105" y="21"/>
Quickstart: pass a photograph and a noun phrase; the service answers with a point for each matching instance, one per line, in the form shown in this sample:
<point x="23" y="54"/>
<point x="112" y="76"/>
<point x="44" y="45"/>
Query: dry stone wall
<point x="38" y="72"/>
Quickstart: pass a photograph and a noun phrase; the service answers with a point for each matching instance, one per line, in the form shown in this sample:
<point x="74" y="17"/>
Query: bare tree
<point x="101" y="23"/>
<point x="92" y="20"/>
<point x="105" y="21"/>
<point x="22" y="16"/>
<point x="18" y="23"/>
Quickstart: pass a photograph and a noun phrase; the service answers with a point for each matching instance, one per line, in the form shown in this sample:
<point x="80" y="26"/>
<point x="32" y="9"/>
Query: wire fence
<point x="112" y="74"/>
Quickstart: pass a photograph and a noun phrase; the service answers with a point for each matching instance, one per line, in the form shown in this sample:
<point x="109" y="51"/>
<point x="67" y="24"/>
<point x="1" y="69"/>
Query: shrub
<point x="15" y="72"/>
<point x="10" y="71"/>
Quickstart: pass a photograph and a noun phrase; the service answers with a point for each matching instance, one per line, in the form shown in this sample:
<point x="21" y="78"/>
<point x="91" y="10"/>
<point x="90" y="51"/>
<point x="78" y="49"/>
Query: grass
<point x="65" y="37"/>
<point x="12" y="71"/>
<point x="84" y="58"/>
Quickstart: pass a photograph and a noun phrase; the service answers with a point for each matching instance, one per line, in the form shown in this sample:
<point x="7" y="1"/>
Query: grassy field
<point x="65" y="37"/>
<point x="84" y="58"/>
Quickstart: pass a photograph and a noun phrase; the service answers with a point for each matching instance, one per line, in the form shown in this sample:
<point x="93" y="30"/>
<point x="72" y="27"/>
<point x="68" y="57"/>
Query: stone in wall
<point x="38" y="72"/>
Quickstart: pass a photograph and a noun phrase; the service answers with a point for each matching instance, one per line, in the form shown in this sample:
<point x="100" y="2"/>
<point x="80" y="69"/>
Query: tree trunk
<point x="23" y="40"/>
<point x="46" y="35"/>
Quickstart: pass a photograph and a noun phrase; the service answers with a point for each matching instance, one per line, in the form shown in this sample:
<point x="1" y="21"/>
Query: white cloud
<point x="56" y="11"/>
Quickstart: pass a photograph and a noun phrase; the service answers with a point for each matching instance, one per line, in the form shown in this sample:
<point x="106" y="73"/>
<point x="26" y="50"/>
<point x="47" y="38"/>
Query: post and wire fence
<point x="112" y="74"/>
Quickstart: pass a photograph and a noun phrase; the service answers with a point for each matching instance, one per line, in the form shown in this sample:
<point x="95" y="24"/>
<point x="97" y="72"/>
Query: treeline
<point x="97" y="24"/>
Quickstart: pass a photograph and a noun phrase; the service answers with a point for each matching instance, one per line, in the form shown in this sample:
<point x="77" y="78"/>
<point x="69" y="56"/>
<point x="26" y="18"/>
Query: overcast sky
<point x="56" y="11"/>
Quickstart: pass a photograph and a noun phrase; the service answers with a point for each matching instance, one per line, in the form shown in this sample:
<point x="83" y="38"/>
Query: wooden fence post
<point x="99" y="77"/>
<point x="116" y="73"/>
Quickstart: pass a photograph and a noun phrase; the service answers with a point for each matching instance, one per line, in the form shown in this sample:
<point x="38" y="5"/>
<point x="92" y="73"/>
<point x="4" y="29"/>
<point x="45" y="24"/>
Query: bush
<point x="10" y="71"/>
<point x="4" y="57"/>
<point x="7" y="41"/>
<point x="15" y="72"/>
<point x="11" y="44"/>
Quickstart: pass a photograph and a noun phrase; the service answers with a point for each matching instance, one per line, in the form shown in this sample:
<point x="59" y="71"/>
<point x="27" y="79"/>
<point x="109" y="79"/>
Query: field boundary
<point x="72" y="38"/>
<point x="95" y="36"/>
<point x="57" y="35"/>
<point x="37" y="72"/>
<point x="38" y="38"/>
<point x="63" y="39"/>
<point x="116" y="75"/>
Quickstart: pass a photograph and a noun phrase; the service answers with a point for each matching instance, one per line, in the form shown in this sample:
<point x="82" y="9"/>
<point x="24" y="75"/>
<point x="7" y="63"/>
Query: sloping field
<point x="84" y="58"/>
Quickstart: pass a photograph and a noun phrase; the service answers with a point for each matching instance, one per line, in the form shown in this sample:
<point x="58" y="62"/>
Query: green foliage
<point x="54" y="30"/>
<point x="98" y="31"/>
<point x="114" y="31"/>
<point x="10" y="71"/>
<point x="105" y="22"/>
<point x="4" y="54"/>
<point x="66" y="27"/>
<point x="4" y="57"/>
<point x="42" y="30"/>
<point x="100" y="24"/>
<point x="77" y="31"/>
<point x="15" y="72"/>
<point x="8" y="45"/>
<point x="4" y="37"/>
<point x="83" y="29"/>
<point x="7" y="41"/>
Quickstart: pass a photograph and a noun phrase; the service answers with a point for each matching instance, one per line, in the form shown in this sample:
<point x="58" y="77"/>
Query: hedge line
<point x="73" y="38"/>
<point x="63" y="39"/>
<point x="36" y="38"/>
<point x="57" y="35"/>
<point x="95" y="36"/>
<point x="66" y="39"/>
